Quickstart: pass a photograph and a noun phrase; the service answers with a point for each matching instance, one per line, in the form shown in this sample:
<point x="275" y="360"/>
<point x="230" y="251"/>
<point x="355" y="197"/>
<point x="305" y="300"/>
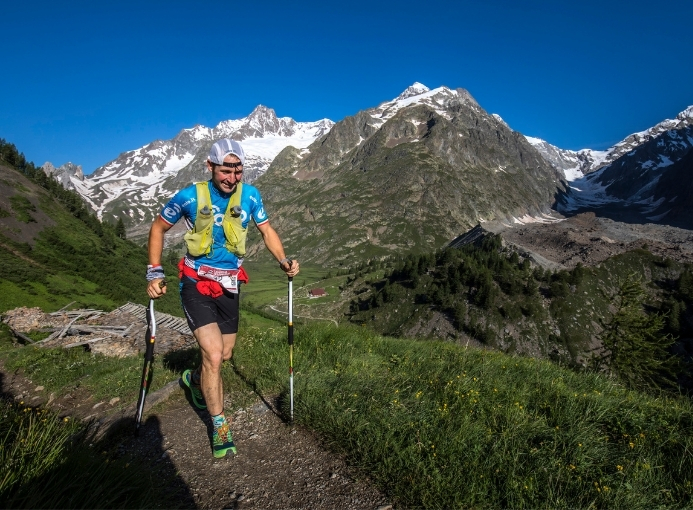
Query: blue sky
<point x="83" y="81"/>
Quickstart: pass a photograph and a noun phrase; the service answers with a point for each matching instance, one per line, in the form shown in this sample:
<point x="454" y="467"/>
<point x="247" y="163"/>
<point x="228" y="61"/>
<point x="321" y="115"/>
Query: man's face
<point x="225" y="178"/>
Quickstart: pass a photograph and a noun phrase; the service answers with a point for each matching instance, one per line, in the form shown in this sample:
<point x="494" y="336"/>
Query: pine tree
<point x="120" y="228"/>
<point x="635" y="348"/>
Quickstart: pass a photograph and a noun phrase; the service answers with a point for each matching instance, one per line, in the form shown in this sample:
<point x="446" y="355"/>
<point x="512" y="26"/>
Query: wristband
<point x="285" y="259"/>
<point x="154" y="273"/>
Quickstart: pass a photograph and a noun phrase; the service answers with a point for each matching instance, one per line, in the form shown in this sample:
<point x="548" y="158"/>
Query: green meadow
<point x="436" y="425"/>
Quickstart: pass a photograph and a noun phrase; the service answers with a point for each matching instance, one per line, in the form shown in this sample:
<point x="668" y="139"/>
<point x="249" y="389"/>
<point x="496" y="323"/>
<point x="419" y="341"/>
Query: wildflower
<point x="66" y="419"/>
<point x="620" y="468"/>
<point x="580" y="445"/>
<point x="572" y="466"/>
<point x="631" y="444"/>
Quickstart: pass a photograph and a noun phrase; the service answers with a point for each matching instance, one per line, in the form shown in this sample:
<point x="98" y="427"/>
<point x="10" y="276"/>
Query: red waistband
<point x="205" y="286"/>
<point x="184" y="270"/>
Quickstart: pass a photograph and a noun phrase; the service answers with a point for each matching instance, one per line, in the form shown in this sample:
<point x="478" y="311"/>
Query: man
<point x="217" y="214"/>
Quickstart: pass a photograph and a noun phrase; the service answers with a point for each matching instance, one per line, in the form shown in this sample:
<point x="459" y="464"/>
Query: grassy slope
<point x="440" y="426"/>
<point x="49" y="258"/>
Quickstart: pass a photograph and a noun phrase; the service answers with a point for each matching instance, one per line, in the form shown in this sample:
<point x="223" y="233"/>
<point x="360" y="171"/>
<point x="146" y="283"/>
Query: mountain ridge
<point x="577" y="164"/>
<point x="114" y="188"/>
<point x="409" y="174"/>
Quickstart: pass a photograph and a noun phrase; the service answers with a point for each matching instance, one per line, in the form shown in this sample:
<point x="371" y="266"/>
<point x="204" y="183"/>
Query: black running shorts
<point x="201" y="310"/>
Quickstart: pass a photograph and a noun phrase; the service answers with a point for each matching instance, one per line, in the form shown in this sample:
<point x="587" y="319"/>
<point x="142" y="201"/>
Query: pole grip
<point x="291" y="311"/>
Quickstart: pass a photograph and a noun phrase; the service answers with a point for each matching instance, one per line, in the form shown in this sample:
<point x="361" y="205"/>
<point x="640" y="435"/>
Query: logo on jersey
<point x="168" y="213"/>
<point x="261" y="214"/>
<point x="218" y="216"/>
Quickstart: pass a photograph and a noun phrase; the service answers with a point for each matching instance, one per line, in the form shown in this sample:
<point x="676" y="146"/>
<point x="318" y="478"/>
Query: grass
<point x="435" y="425"/>
<point x="37" y="294"/>
<point x="268" y="282"/>
<point x="438" y="426"/>
<point x="62" y="370"/>
<point x="46" y="465"/>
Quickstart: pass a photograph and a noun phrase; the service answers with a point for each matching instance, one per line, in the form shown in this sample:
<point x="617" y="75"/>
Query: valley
<point x="501" y="357"/>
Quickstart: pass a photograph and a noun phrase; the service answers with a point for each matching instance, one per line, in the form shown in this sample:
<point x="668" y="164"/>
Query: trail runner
<point x="217" y="214"/>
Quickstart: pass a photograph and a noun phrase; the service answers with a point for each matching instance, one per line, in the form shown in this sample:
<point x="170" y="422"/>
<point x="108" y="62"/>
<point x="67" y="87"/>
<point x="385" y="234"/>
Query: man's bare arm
<point x="275" y="247"/>
<point x="155" y="248"/>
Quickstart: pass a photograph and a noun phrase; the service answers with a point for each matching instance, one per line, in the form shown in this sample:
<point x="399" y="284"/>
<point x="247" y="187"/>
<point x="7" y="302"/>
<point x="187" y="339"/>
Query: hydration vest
<point x="199" y="239"/>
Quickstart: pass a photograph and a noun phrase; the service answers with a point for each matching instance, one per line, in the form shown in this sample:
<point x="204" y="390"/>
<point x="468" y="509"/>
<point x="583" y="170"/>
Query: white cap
<point x="223" y="148"/>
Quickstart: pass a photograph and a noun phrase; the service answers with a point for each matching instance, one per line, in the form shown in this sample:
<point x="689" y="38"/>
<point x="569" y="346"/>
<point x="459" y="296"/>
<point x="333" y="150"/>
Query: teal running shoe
<point x="222" y="441"/>
<point x="197" y="397"/>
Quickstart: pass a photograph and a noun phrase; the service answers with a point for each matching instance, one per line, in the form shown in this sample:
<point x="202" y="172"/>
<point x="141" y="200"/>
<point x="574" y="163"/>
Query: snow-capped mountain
<point x="133" y="184"/>
<point x="408" y="174"/>
<point x="356" y="129"/>
<point x="649" y="176"/>
<point x="577" y="164"/>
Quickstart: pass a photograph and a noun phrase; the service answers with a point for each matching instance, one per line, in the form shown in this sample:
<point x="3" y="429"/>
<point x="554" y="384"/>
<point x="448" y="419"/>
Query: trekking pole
<point x="291" y="347"/>
<point x="150" y="338"/>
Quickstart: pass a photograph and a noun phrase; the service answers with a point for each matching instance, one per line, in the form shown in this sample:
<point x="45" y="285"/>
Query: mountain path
<point x="278" y="466"/>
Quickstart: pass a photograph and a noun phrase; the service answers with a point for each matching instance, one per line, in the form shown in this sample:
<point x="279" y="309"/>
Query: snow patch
<point x="658" y="216"/>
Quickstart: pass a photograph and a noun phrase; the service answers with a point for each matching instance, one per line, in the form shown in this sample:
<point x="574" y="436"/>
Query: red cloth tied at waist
<point x="205" y="286"/>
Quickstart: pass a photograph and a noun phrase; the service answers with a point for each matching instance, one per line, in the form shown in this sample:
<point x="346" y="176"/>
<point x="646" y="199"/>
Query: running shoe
<point x="222" y="441"/>
<point x="195" y="391"/>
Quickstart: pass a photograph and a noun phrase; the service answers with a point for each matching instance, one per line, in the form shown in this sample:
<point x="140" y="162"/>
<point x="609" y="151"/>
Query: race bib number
<point x="228" y="278"/>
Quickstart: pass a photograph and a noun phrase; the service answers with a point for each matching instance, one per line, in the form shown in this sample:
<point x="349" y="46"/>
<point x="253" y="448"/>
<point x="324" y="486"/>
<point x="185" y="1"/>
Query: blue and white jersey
<point x="184" y="205"/>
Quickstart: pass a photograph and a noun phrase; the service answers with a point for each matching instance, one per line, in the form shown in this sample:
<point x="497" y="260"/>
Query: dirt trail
<point x="277" y="466"/>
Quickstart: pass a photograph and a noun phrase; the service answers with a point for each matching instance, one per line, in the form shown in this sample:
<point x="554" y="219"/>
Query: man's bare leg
<point x="215" y="349"/>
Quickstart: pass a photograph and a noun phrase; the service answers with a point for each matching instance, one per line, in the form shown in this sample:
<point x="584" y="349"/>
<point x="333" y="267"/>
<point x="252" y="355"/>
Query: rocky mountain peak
<point x="413" y="90"/>
<point x="262" y="114"/>
<point x="68" y="168"/>
<point x="576" y="164"/>
<point x="686" y="115"/>
<point x="64" y="174"/>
